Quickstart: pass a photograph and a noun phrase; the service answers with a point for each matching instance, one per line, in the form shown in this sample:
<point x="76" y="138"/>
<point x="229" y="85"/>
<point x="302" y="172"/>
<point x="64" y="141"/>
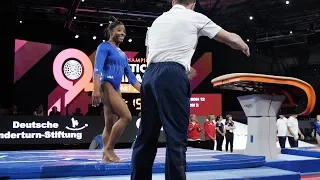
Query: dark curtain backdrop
<point x="7" y="32"/>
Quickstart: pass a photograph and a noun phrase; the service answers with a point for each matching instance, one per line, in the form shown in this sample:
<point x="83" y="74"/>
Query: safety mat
<point x="67" y="163"/>
<point x="304" y="151"/>
<point x="260" y="173"/>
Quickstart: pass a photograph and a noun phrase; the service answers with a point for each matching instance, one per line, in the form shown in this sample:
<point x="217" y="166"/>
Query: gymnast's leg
<point x="110" y="119"/>
<point x="119" y="107"/>
<point x="318" y="138"/>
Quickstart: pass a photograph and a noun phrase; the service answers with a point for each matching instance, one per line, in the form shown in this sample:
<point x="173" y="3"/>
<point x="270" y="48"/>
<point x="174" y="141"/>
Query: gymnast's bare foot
<point x="111" y="156"/>
<point x="105" y="159"/>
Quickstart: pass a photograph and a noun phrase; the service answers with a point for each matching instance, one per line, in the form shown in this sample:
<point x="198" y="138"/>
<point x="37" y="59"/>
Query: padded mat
<point x="263" y="173"/>
<point x="305" y="151"/>
<point x="66" y="163"/>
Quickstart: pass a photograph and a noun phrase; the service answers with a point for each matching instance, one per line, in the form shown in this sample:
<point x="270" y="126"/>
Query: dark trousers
<point x="133" y="144"/>
<point x="194" y="144"/>
<point x="219" y="139"/>
<point x="282" y="141"/>
<point x="229" y="140"/>
<point x="165" y="101"/>
<point x="293" y="143"/>
<point x="210" y="144"/>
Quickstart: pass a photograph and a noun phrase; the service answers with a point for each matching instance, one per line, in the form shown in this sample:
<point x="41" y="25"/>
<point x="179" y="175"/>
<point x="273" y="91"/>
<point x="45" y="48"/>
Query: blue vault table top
<point x="66" y="163"/>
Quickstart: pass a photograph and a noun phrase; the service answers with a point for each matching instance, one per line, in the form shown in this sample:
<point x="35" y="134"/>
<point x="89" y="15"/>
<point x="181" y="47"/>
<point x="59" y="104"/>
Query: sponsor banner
<point x="58" y="130"/>
<point x="64" y="129"/>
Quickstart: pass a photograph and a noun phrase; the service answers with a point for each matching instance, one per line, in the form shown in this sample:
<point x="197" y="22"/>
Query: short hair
<point x="114" y="23"/>
<point x="185" y="2"/>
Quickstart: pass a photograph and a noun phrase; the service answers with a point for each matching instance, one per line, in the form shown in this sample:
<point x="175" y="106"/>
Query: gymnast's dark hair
<point x="218" y="118"/>
<point x="114" y="23"/>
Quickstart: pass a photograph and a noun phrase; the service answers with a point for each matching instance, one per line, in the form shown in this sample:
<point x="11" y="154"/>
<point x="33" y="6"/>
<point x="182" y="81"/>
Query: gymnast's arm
<point x="208" y="28"/>
<point x="233" y="126"/>
<point x="101" y="54"/>
<point x="199" y="127"/>
<point x="226" y="126"/>
<point x="190" y="127"/>
<point x="205" y="127"/>
<point x="313" y="127"/>
<point x="131" y="77"/>
<point x="221" y="133"/>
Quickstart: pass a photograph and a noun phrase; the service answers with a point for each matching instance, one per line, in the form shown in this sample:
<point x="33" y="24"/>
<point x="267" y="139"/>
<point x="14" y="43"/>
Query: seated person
<point x="55" y="112"/>
<point x="78" y="112"/>
<point x="96" y="143"/>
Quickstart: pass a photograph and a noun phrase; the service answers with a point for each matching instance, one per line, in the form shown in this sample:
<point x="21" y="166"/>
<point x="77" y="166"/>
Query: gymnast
<point x="110" y="65"/>
<point x="316" y="132"/>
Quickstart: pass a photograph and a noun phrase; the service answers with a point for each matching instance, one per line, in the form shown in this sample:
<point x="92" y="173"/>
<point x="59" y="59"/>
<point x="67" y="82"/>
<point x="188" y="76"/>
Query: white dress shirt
<point x="294" y="126"/>
<point x="282" y="127"/>
<point x="173" y="36"/>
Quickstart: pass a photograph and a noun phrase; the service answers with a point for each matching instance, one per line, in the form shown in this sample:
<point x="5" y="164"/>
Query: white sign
<point x="75" y="123"/>
<point x="195" y="101"/>
<point x="138" y="124"/>
<point x="44" y="135"/>
<point x="37" y="135"/>
<point x="34" y="125"/>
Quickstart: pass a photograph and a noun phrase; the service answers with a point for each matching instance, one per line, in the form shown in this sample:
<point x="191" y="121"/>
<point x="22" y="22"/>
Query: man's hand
<point x="192" y="73"/>
<point x="295" y="138"/>
<point x="246" y="50"/>
<point x="233" y="40"/>
<point x="302" y="137"/>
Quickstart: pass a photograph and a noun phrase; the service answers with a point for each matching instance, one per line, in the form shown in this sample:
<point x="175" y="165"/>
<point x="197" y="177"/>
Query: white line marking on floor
<point x="4" y="162"/>
<point x="68" y="159"/>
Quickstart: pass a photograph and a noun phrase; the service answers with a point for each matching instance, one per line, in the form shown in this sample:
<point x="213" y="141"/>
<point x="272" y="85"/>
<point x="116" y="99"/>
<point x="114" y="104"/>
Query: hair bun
<point x="113" y="19"/>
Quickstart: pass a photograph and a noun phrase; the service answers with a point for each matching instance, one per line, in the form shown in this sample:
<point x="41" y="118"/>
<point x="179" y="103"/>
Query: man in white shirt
<point x="282" y="130"/>
<point x="293" y="131"/>
<point x="165" y="90"/>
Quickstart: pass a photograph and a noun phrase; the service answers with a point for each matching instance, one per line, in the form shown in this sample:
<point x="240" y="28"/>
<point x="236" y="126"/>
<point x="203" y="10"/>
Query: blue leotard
<point x="111" y="63"/>
<point x="316" y="125"/>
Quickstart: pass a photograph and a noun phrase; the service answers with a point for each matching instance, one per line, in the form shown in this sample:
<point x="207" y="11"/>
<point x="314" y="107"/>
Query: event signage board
<point x="56" y="130"/>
